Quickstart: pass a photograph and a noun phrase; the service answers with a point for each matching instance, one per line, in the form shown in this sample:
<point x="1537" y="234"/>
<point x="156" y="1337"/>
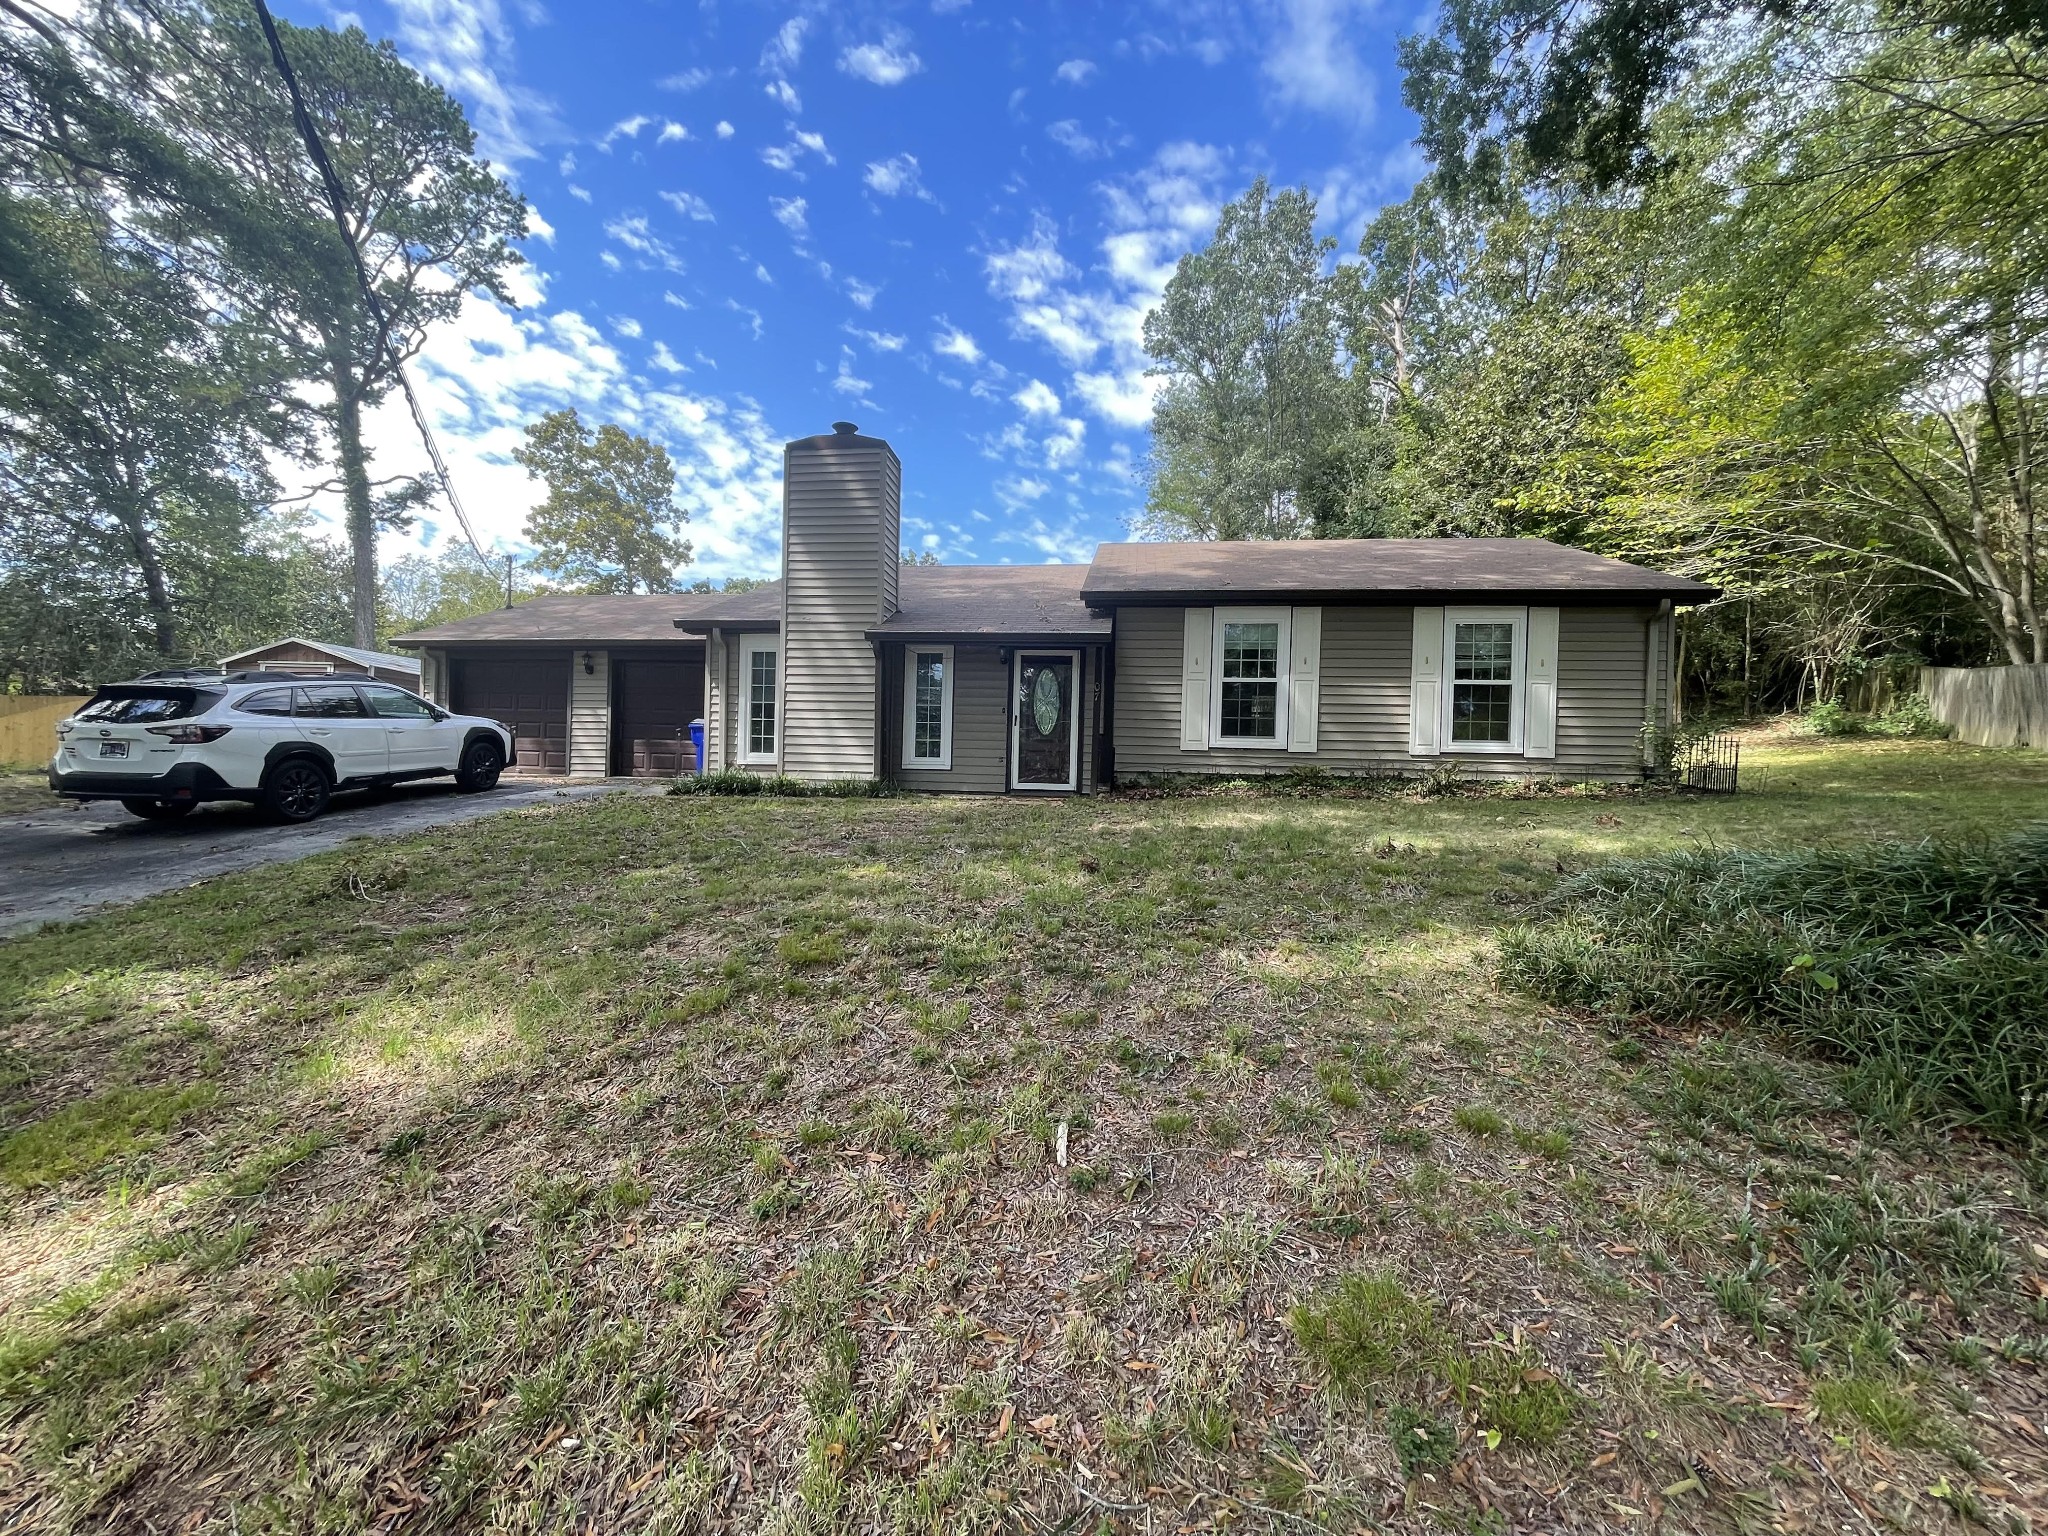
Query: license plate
<point x="113" y="749"/>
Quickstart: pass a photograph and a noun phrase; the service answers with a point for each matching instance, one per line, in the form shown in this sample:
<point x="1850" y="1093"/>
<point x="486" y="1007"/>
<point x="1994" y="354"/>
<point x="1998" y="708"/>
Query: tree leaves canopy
<point x="606" y="522"/>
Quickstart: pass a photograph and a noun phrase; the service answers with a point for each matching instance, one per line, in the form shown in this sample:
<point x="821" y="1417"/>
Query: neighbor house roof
<point x="356" y="654"/>
<point x="571" y="619"/>
<point x="1362" y="570"/>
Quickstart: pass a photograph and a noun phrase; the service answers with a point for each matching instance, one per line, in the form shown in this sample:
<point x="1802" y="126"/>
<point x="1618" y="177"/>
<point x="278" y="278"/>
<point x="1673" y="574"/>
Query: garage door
<point x="653" y="703"/>
<point x="530" y="696"/>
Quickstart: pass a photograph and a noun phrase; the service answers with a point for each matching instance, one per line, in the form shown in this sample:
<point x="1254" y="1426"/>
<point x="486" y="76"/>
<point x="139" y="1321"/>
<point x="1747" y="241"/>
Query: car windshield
<point x="140" y="706"/>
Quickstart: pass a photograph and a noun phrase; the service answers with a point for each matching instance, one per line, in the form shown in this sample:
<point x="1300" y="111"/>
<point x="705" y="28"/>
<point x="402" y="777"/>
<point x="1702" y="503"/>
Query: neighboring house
<point x="1507" y="657"/>
<point x="300" y="655"/>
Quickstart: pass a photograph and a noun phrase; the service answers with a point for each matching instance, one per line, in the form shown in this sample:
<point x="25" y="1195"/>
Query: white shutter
<point x="1305" y="679"/>
<point x="1539" y="711"/>
<point x="1426" y="682"/>
<point x="1194" y="679"/>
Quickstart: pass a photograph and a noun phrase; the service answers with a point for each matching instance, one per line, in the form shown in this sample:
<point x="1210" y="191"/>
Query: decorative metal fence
<point x="1707" y="764"/>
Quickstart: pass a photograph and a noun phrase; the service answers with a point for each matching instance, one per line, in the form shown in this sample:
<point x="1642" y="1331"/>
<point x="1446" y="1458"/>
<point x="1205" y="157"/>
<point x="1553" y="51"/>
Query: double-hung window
<point x="1248" y="699"/>
<point x="760" y="698"/>
<point x="928" y="706"/>
<point x="1483" y="673"/>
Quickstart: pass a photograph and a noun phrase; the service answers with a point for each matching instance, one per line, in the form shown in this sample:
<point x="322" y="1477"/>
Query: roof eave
<point x="1685" y="595"/>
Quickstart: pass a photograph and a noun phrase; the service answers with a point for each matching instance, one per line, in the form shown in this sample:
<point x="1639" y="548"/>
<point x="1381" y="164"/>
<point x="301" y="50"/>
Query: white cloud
<point x="581" y="194"/>
<point x="1068" y="134"/>
<point x="847" y="383"/>
<point x="611" y="260"/>
<point x="624" y="128"/>
<point x="567" y="164"/>
<point x="888" y="62"/>
<point x="1122" y="399"/>
<point x="690" y="206"/>
<point x="782" y="92"/>
<point x="1075" y="72"/>
<point x="897" y="176"/>
<point x="1037" y="399"/>
<point x="753" y="315"/>
<point x="762" y="275"/>
<point x="466" y="45"/>
<point x="1310" y="60"/>
<point x="724" y="129"/>
<point x="539" y="227"/>
<point x="626" y="326"/>
<point x="957" y="344"/>
<point x="785" y="49"/>
<point x="672" y="133"/>
<point x="880" y="341"/>
<point x="1065" y="444"/>
<point x="671" y="297"/>
<point x="789" y="213"/>
<point x="1030" y="268"/>
<point x="685" y="80"/>
<point x="666" y="360"/>
<point x="1020" y="491"/>
<point x="636" y="235"/>
<point x="787" y="157"/>
<point x="862" y="294"/>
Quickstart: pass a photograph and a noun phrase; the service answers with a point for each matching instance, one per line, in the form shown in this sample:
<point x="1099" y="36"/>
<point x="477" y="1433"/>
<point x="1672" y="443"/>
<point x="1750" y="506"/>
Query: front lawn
<point x="685" y="1164"/>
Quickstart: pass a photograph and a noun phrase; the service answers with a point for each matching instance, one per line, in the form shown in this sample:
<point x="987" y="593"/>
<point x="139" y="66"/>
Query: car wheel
<point x="482" y="762"/>
<point x="296" y="790"/>
<point x="158" y="810"/>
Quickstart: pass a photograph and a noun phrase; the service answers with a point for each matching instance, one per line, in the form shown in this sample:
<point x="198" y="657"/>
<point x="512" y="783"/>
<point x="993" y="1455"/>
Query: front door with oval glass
<point x="1045" y="737"/>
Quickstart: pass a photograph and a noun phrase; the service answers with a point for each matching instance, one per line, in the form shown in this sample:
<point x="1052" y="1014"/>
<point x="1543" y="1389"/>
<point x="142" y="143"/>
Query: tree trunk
<point x="156" y="587"/>
<point x="355" y="491"/>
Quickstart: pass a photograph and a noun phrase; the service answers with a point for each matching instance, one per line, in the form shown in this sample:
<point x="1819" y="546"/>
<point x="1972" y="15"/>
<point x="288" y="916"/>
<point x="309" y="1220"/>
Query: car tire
<point x="482" y="762"/>
<point x="297" y="789"/>
<point x="158" y="810"/>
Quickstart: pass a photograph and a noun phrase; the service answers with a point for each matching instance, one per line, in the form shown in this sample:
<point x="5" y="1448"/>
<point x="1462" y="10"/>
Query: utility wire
<point x="338" y="203"/>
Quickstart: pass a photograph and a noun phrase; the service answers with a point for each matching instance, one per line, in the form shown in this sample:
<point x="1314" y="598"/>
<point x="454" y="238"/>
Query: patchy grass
<point x="27" y="789"/>
<point x="691" y="1163"/>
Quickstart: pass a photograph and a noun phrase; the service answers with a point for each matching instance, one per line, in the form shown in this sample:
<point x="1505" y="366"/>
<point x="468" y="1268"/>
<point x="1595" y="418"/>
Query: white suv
<point x="285" y="741"/>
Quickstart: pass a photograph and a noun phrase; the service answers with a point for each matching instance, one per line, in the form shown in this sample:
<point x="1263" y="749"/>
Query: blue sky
<point x="944" y="221"/>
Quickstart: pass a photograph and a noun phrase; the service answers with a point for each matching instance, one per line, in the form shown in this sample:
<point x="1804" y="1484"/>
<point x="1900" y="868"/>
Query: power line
<point x="337" y="202"/>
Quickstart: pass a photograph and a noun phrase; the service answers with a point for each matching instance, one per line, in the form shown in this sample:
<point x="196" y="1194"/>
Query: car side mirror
<point x="439" y="713"/>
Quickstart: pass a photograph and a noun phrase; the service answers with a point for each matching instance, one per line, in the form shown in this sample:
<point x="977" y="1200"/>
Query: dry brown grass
<point x="670" y="1165"/>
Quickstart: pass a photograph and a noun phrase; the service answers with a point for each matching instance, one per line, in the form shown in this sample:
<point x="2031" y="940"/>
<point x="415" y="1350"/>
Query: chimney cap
<point x="845" y="428"/>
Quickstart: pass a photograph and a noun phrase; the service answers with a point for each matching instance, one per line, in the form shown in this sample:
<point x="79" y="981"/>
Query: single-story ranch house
<point x="1508" y="657"/>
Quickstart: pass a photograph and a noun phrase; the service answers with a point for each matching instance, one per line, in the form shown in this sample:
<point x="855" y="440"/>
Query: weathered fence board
<point x="28" y="726"/>
<point x="1991" y="706"/>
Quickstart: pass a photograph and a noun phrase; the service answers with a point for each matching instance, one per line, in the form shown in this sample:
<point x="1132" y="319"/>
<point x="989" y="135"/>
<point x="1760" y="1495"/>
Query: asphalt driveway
<point x="61" y="862"/>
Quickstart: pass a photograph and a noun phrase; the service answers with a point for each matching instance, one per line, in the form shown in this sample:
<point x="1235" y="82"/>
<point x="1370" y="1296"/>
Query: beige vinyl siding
<point x="981" y="724"/>
<point x="590" y="715"/>
<point x="434" y="677"/>
<point x="841" y="522"/>
<point x="714" y="701"/>
<point x="1364" y="707"/>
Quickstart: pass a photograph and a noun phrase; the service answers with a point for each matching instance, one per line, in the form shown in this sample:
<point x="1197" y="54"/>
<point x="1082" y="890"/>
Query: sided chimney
<point x="842" y="524"/>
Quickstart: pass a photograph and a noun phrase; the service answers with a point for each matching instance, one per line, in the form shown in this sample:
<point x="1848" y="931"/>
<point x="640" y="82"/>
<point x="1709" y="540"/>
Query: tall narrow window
<point x="758" y="662"/>
<point x="1483" y="682"/>
<point x="1250" y="704"/>
<point x="928" y="707"/>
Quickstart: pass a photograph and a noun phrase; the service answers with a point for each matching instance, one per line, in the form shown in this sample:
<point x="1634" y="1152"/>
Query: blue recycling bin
<point x="697" y="741"/>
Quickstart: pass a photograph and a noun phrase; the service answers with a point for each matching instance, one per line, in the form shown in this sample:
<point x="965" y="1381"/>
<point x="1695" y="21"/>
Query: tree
<point x="1254" y="403"/>
<point x="1576" y="85"/>
<point x="431" y="220"/>
<point x="606" y="523"/>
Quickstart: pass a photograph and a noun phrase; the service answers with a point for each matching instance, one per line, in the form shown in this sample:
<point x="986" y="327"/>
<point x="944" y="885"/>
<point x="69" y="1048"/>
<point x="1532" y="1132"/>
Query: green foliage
<point x="737" y="781"/>
<point x="606" y="523"/>
<point x="1421" y="1442"/>
<point x="1926" y="960"/>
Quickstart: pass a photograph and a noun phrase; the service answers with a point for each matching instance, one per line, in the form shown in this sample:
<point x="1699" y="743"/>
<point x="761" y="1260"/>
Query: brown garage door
<point x="653" y="703"/>
<point x="531" y="696"/>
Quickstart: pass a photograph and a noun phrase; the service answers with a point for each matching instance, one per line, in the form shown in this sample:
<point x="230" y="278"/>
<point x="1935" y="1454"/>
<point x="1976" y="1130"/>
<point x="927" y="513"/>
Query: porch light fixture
<point x="589" y="666"/>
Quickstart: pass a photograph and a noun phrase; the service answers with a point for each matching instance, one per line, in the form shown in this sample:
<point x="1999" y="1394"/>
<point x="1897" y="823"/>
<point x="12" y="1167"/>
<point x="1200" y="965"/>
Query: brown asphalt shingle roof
<point x="1019" y="602"/>
<point x="572" y="619"/>
<point x="1362" y="570"/>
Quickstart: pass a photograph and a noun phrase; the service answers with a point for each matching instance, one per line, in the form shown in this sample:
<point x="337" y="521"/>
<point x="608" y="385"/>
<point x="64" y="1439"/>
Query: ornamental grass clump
<point x="1924" y="965"/>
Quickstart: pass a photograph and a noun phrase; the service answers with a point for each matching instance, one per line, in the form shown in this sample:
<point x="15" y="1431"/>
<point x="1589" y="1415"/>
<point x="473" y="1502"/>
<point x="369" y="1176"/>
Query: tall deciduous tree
<point x="432" y="221"/>
<point x="609" y="521"/>
<point x="1253" y="403"/>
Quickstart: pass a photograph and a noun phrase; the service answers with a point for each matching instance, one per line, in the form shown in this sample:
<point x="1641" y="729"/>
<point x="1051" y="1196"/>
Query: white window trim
<point x="1073" y="782"/>
<point x="945" y="758"/>
<point x="750" y="646"/>
<point x="1284" y="617"/>
<point x="1518" y="681"/>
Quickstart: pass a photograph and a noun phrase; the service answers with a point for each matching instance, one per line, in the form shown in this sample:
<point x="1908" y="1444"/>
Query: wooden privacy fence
<point x="28" y="726"/>
<point x="1991" y="706"/>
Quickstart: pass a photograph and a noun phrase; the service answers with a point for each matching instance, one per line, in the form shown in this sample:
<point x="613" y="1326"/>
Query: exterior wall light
<point x="589" y="666"/>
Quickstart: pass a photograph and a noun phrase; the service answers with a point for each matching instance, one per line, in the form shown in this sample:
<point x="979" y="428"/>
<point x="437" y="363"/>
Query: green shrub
<point x="1925" y="960"/>
<point x="1835" y="719"/>
<point x="737" y="781"/>
<point x="1911" y="716"/>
